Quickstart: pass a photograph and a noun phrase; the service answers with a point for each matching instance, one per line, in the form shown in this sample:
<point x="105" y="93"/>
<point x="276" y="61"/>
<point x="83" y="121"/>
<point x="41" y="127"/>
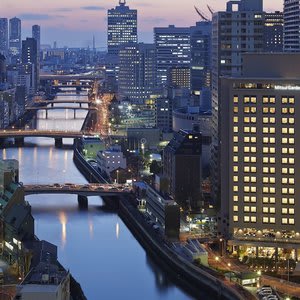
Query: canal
<point x="94" y="245"/>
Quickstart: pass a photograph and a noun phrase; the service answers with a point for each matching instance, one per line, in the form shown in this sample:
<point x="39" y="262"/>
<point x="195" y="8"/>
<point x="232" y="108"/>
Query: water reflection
<point x="117" y="230"/>
<point x="108" y="265"/>
<point x="63" y="221"/>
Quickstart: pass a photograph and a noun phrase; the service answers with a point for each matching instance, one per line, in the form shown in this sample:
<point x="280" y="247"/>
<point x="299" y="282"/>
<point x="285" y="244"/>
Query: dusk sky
<point x="73" y="22"/>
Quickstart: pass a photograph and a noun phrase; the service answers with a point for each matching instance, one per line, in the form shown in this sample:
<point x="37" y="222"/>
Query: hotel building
<point x="260" y="151"/>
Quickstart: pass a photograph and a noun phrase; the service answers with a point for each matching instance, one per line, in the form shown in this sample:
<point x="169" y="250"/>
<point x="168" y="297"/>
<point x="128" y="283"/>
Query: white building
<point x="111" y="159"/>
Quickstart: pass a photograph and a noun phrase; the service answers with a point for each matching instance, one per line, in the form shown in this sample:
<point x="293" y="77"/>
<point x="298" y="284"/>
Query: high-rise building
<point x="122" y="27"/>
<point x="273" y="32"/>
<point x="173" y="49"/>
<point x="182" y="168"/>
<point x="30" y="60"/>
<point x="291" y="34"/>
<point x="237" y="30"/>
<point x="36" y="34"/>
<point x="15" y="42"/>
<point x="3" y="36"/>
<point x="137" y="72"/>
<point x="179" y="77"/>
<point x="201" y="59"/>
<point x="260" y="153"/>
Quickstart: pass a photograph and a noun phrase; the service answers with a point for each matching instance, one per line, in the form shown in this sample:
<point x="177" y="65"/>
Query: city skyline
<point x="74" y="24"/>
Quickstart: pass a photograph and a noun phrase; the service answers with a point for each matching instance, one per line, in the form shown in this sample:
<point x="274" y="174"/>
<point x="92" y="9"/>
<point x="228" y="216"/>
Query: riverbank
<point x="192" y="279"/>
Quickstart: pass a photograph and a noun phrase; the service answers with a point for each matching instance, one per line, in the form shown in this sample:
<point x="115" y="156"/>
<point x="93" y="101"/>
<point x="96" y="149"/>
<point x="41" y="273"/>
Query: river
<point x="94" y="245"/>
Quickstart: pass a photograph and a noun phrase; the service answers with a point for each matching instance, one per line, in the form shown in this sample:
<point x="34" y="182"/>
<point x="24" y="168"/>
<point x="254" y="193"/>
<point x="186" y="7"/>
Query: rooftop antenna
<point x="122" y="2"/>
<point x="201" y="14"/>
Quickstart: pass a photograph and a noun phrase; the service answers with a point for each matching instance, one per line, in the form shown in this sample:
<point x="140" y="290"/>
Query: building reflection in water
<point x="162" y="282"/>
<point x="91" y="229"/>
<point x="63" y="221"/>
<point x="117" y="230"/>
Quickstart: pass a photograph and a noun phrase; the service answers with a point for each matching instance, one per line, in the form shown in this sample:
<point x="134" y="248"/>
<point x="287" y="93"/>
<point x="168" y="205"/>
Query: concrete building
<point x="179" y="77"/>
<point x="260" y="155"/>
<point x="173" y="49"/>
<point x="237" y="30"/>
<point x="15" y="39"/>
<point x="122" y="27"/>
<point x="291" y="34"/>
<point x="47" y="279"/>
<point x="164" y="211"/>
<point x="36" y="34"/>
<point x="3" y="73"/>
<point x="4" y="36"/>
<point x="111" y="159"/>
<point x="182" y="168"/>
<point x="273" y="32"/>
<point x="137" y="72"/>
<point x="164" y="108"/>
<point x="201" y="35"/>
<point x="30" y="61"/>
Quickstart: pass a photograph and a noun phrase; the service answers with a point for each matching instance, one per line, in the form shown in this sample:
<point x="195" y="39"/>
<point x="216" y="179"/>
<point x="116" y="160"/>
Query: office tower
<point x="237" y="30"/>
<point x="179" y="77"/>
<point x="291" y="31"/>
<point x="36" y="34"/>
<point x="122" y="27"/>
<point x="15" y="43"/>
<point x="137" y="72"/>
<point x="30" y="60"/>
<point x="164" y="109"/>
<point x="260" y="154"/>
<point x="201" y="62"/>
<point x="3" y="73"/>
<point x="273" y="32"/>
<point x="173" y="49"/>
<point x="182" y="168"/>
<point x="3" y="36"/>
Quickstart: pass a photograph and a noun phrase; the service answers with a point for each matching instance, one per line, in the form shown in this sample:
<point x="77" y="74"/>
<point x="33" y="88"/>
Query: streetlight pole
<point x="117" y="176"/>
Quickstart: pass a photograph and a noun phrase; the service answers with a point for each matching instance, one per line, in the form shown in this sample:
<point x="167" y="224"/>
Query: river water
<point x="94" y="245"/>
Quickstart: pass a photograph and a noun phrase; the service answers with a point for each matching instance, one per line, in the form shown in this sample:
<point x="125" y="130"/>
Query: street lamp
<point x="117" y="176"/>
<point x="229" y="265"/>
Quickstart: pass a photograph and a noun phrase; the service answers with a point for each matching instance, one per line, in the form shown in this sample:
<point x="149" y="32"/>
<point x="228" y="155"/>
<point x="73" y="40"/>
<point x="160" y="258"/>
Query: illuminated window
<point x="235" y="198"/>
<point x="235" y="169"/>
<point x="235" y="119"/>
<point x="284" y="221"/>
<point x="284" y="100"/>
<point x="235" y="218"/>
<point x="235" y="109"/>
<point x="291" y="121"/>
<point x="253" y="219"/>
<point x="253" y="129"/>
<point x="284" y="211"/>
<point x="246" y="99"/>
<point x="235" y="99"/>
<point x="272" y="220"/>
<point x="291" y="221"/>
<point x="235" y="208"/>
<point x="265" y="220"/>
<point x="235" y="139"/>
<point x="246" y="199"/>
<point x="235" y="188"/>
<point x="235" y="129"/>
<point x="246" y="219"/>
<point x="292" y="100"/>
<point x="235" y="178"/>
<point x="253" y="99"/>
<point x="246" y="129"/>
<point x="235" y="149"/>
<point x="284" y="130"/>
<point x="235" y="158"/>
<point x="284" y="110"/>
<point x="291" y="211"/>
<point x="272" y="210"/>
<point x="246" y="208"/>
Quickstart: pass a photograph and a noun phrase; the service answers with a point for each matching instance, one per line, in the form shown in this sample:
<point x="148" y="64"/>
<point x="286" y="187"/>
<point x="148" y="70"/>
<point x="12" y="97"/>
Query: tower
<point x="122" y="27"/>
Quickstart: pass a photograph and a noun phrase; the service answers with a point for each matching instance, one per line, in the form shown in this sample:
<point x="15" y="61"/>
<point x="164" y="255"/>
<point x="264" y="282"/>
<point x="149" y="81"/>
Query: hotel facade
<point x="259" y="155"/>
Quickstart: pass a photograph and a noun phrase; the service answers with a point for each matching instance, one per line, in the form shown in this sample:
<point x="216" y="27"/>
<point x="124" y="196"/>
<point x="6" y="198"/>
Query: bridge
<point x="47" y="102"/>
<point x="19" y="135"/>
<point x="47" y="108"/>
<point x="111" y="191"/>
<point x="83" y="76"/>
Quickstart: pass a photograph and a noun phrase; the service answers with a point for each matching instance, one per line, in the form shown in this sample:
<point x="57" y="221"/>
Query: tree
<point x="155" y="167"/>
